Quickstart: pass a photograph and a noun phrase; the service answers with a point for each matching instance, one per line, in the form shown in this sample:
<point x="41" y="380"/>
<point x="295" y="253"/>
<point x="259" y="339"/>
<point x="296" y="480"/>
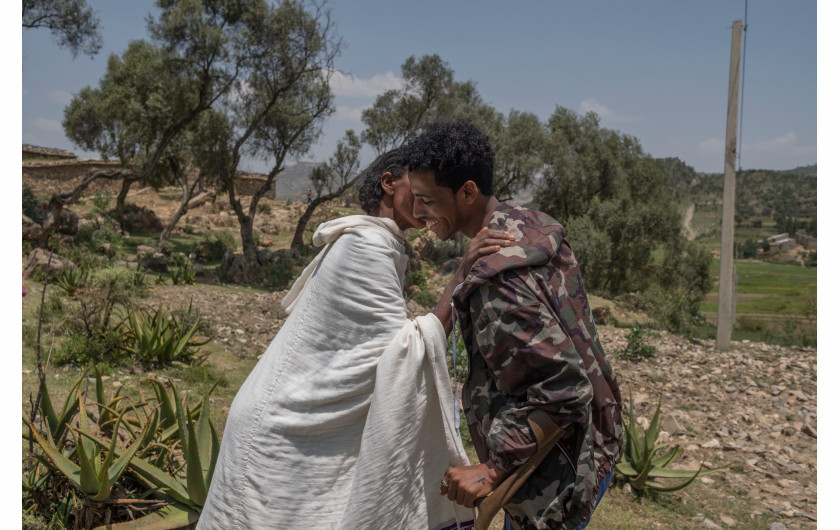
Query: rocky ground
<point x="752" y="409"/>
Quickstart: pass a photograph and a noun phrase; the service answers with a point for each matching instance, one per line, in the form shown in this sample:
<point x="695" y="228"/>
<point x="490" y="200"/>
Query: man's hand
<point x="466" y="484"/>
<point x="485" y="242"/>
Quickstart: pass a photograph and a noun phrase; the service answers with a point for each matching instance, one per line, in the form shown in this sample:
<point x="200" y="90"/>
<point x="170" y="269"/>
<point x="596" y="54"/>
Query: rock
<point x="143" y="251"/>
<point x="602" y="316"/>
<point x="138" y="218"/>
<point x="155" y="264"/>
<point x="31" y="229"/>
<point x="47" y="262"/>
<point x="711" y="444"/>
<point x="728" y="521"/>
<point x="671" y="425"/>
<point x="709" y="524"/>
<point x="810" y="431"/>
<point x="105" y="248"/>
<point x="265" y="241"/>
<point x="777" y="526"/>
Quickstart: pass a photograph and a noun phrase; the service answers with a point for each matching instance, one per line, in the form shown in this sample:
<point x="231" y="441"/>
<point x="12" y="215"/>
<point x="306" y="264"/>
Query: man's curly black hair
<point x="370" y="186"/>
<point x="457" y="151"/>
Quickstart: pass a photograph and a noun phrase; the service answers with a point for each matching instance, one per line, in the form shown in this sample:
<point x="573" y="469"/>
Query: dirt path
<point x="689" y="215"/>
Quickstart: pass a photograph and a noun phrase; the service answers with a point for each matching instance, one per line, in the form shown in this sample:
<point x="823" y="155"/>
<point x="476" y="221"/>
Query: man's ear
<point x="386" y="180"/>
<point x="469" y="192"/>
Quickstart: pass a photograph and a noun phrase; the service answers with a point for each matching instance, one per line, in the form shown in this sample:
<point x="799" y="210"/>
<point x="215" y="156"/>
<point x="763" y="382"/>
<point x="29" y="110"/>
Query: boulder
<point x="47" y="262"/>
<point x="155" y="263"/>
<point x="139" y="218"/>
<point x="31" y="229"/>
<point x="143" y="251"/>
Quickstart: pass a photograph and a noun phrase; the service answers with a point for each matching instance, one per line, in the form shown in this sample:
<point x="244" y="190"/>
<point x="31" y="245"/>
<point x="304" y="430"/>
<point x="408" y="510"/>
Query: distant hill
<point x="291" y="184"/>
<point x="760" y="193"/>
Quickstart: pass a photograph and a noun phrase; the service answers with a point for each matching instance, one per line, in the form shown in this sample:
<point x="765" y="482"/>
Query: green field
<point x="767" y="288"/>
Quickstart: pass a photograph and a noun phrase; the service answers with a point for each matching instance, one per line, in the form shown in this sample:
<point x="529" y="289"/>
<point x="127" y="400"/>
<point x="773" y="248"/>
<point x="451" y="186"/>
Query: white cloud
<point x="777" y="144"/>
<point x="53" y="126"/>
<point x="59" y="96"/>
<point x="349" y="85"/>
<point x="591" y="105"/>
<point x="345" y="113"/>
<point x="712" y="145"/>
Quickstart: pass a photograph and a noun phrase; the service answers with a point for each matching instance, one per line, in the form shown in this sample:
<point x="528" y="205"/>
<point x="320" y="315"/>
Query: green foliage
<point x="97" y="452"/>
<point x="182" y="270"/>
<point x="101" y="202"/>
<point x="280" y="272"/>
<point x="71" y="280"/>
<point x="603" y="183"/>
<point x="637" y="347"/>
<point x="264" y="208"/>
<point x="32" y="205"/>
<point x="72" y="23"/>
<point x="640" y="465"/>
<point x="160" y="336"/>
<point x="415" y="278"/>
<point x="103" y="346"/>
<point x="219" y="242"/>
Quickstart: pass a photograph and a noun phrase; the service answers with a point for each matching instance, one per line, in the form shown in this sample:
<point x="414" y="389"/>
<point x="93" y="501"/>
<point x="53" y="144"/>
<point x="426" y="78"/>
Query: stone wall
<point x="249" y="183"/>
<point x="47" y="177"/>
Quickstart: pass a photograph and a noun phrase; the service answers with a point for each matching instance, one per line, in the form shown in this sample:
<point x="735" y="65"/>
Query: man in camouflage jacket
<point x="530" y="337"/>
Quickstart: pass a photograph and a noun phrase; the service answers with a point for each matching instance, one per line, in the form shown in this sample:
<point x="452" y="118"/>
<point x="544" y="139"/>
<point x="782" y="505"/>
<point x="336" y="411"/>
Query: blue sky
<point x="656" y="70"/>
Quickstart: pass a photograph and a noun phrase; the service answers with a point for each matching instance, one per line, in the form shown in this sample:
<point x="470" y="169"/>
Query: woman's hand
<point x="485" y="242"/>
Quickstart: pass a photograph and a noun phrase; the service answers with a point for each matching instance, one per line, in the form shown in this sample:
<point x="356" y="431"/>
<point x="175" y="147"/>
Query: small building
<point x="780" y="243"/>
<point x="30" y="152"/>
<point x="807" y="242"/>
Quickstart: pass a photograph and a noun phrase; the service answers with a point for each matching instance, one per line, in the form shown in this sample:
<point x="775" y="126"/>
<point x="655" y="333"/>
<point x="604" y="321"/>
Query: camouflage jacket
<point x="532" y="343"/>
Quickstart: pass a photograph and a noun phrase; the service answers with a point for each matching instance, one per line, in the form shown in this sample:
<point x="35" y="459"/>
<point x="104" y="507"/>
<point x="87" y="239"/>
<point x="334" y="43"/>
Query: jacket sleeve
<point x="534" y="364"/>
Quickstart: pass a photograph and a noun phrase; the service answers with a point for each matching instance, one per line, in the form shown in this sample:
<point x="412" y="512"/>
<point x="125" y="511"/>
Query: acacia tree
<point x="278" y="107"/>
<point x="430" y="93"/>
<point x="194" y="161"/>
<point x="153" y="92"/>
<point x="331" y="180"/>
<point x="612" y="198"/>
<point x="72" y="23"/>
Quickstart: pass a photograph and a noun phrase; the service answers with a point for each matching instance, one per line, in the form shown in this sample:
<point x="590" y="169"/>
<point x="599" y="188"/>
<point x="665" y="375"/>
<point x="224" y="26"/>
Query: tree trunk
<point x="186" y="196"/>
<point x="297" y="240"/>
<point x="60" y="199"/>
<point x="121" y="196"/>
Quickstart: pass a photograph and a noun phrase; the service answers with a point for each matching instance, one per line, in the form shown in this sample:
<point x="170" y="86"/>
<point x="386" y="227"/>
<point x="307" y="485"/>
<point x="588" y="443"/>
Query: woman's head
<point x="384" y="190"/>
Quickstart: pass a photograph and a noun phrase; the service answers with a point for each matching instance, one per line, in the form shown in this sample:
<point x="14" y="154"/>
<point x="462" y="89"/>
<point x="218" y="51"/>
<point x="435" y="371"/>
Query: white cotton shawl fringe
<point x="347" y="419"/>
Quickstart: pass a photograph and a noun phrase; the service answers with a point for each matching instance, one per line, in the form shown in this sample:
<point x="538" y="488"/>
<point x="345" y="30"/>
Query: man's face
<point x="404" y="205"/>
<point x="435" y="205"/>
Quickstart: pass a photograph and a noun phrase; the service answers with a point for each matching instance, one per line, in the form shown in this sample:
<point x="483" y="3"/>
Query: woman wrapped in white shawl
<point x="347" y="419"/>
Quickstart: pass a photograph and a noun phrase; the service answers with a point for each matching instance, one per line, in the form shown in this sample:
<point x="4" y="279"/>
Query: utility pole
<point x="726" y="303"/>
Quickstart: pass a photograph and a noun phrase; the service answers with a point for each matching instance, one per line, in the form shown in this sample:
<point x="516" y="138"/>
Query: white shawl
<point x="346" y="420"/>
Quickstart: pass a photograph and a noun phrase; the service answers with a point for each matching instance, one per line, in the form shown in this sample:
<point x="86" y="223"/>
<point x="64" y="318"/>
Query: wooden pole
<point x="726" y="305"/>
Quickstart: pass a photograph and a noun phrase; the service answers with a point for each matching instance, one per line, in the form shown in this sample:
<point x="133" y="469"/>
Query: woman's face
<point x="404" y="205"/>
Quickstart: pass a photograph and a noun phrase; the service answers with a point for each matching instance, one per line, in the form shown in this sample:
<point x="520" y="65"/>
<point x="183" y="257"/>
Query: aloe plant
<point x="95" y="445"/>
<point x="72" y="280"/>
<point x="94" y="475"/>
<point x="640" y="465"/>
<point x="161" y="337"/>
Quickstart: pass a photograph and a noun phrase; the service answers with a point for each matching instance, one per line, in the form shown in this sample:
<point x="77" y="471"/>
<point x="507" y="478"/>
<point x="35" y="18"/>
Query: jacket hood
<point x="538" y="238"/>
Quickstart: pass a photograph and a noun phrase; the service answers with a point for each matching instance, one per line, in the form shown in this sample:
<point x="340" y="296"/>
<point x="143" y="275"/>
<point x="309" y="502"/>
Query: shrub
<point x="82" y="348"/>
<point x="280" y="272"/>
<point x="637" y="347"/>
<point x="101" y="202"/>
<point x="220" y="241"/>
<point x="182" y="270"/>
<point x="264" y="208"/>
<point x="32" y="205"/>
<point x="415" y="278"/>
